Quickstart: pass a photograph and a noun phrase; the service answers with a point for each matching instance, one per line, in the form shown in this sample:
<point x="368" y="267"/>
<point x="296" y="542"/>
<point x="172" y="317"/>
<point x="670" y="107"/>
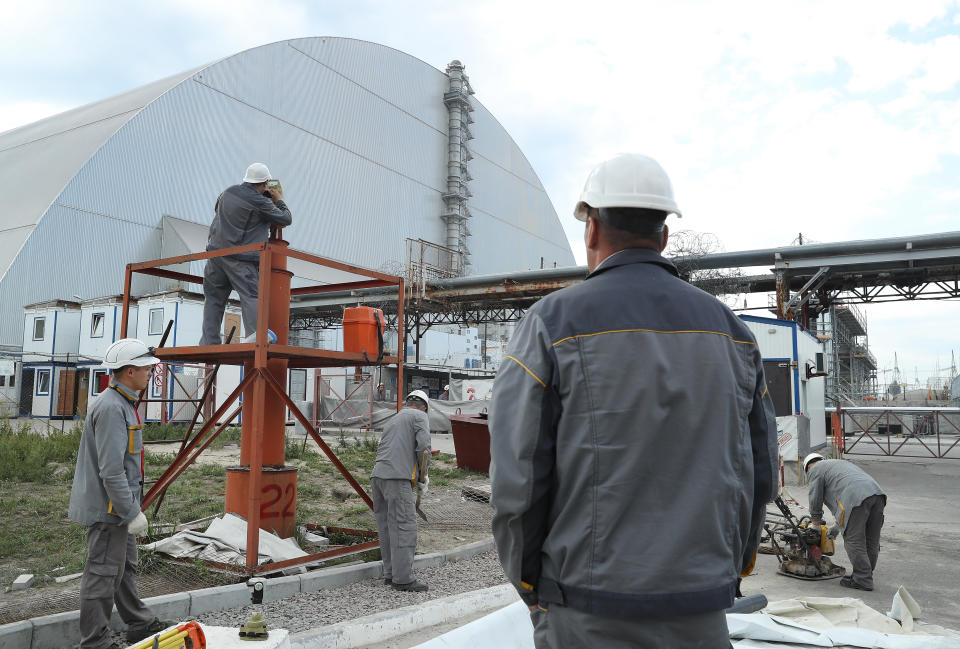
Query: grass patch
<point x="26" y="456"/>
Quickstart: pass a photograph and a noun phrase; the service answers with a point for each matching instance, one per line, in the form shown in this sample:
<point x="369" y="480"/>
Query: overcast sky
<point x="840" y="120"/>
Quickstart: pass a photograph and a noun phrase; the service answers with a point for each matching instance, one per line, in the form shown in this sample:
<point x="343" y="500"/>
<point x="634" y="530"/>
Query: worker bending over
<point x="242" y="215"/>
<point x="857" y="503"/>
<point x="107" y="489"/>
<point x="400" y="469"/>
<point x="633" y="442"/>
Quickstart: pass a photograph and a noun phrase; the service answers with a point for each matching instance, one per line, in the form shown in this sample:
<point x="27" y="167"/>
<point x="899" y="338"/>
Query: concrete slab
<point x="469" y="550"/>
<point x="430" y="560"/>
<point x="66" y="578"/>
<point x="22" y="582"/>
<point x="339" y="576"/>
<point x="281" y="588"/>
<point x="56" y="631"/>
<point x="17" y="635"/>
<point x="218" y="598"/>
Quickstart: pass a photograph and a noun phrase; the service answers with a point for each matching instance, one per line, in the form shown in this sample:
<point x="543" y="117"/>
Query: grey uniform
<point x="242" y="216"/>
<point x="857" y="503"/>
<point x="405" y="440"/>
<point x="634" y="449"/>
<point x="107" y="488"/>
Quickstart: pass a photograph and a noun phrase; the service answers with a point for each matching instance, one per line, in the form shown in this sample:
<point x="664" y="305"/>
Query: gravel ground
<point x="319" y="608"/>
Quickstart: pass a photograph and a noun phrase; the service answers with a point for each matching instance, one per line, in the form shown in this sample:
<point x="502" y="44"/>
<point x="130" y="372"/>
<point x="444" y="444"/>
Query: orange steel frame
<point x="262" y="382"/>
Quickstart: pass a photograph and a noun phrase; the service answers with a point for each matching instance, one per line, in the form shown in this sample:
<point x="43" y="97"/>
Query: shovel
<point x="420" y="511"/>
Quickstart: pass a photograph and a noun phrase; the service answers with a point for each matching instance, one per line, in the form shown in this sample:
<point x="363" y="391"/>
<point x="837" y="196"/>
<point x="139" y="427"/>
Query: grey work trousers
<point x="394" y="507"/>
<point x="220" y="276"/>
<point x="861" y="538"/>
<point x="562" y="627"/>
<point x="109" y="576"/>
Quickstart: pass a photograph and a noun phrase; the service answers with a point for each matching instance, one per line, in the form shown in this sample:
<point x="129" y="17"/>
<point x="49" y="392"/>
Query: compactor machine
<point x="803" y="550"/>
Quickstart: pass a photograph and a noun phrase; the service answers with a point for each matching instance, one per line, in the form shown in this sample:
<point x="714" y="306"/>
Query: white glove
<point x="422" y="486"/>
<point x="138" y="525"/>
<point x="833" y="532"/>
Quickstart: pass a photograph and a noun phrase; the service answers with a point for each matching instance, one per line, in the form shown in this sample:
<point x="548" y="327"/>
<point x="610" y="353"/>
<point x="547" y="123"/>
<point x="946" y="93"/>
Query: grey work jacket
<point x="633" y="446"/>
<point x="108" y="482"/>
<point x="243" y="216"/>
<point x="405" y="440"/>
<point x="842" y="486"/>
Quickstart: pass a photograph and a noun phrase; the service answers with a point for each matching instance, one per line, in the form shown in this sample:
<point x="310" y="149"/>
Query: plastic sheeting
<point x="788" y="624"/>
<point x="225" y="540"/>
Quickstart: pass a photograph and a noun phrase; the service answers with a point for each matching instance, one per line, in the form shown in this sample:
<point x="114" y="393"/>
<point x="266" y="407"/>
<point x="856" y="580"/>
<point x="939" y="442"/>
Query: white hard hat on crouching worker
<point x="419" y="394"/>
<point x="810" y="458"/>
<point x="129" y="351"/>
<point x="257" y="173"/>
<point x="627" y="180"/>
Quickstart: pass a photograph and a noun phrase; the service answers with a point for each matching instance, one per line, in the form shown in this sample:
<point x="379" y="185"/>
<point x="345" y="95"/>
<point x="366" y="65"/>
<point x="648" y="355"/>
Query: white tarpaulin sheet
<point x="225" y="540"/>
<point x="788" y="624"/>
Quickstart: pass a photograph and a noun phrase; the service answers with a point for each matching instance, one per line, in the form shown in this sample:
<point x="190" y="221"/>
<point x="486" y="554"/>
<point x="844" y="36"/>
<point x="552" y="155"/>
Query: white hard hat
<point x="419" y="394"/>
<point x="627" y="180"/>
<point x="257" y="173"/>
<point x="446" y="387"/>
<point x="810" y="458"/>
<point x="128" y="351"/>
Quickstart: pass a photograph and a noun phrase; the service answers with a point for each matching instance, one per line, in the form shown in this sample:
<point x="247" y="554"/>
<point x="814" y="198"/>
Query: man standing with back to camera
<point x="243" y="215"/>
<point x="633" y="442"/>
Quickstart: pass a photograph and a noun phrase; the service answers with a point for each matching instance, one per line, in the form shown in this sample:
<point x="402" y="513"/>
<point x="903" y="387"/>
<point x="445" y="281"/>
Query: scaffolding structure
<point x="262" y="473"/>
<point x="853" y="367"/>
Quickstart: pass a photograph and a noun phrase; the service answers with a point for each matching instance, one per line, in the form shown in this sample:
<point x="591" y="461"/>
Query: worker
<point x="381" y="392"/>
<point x="106" y="495"/>
<point x="445" y="395"/>
<point x="632" y="438"/>
<point x="243" y="215"/>
<point x="400" y="469"/>
<point x="857" y="503"/>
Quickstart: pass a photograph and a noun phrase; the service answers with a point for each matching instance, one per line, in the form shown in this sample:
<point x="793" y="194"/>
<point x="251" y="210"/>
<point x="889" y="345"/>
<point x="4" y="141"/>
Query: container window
<point x="156" y="322"/>
<point x="39" y="327"/>
<point x="96" y="325"/>
<point x="98" y="380"/>
<point x="43" y="382"/>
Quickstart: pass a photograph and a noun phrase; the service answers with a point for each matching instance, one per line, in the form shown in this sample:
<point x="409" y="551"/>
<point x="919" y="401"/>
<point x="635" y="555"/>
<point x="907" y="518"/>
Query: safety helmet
<point x="446" y="388"/>
<point x="128" y="351"/>
<point x="419" y="394"/>
<point x="627" y="180"/>
<point x="810" y="458"/>
<point x="257" y="173"/>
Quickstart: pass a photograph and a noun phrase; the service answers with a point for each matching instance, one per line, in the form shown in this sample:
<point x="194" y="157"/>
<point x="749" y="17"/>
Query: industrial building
<point x="386" y="162"/>
<point x="373" y="147"/>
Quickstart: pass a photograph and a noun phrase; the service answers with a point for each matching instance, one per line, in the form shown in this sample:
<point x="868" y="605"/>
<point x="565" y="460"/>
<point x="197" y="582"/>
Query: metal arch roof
<point x="39" y="159"/>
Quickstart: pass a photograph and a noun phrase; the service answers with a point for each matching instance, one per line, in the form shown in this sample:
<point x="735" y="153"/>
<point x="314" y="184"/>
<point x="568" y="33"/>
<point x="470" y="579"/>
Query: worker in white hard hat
<point x="445" y="395"/>
<point x="243" y="215"/>
<point x="106" y="495"/>
<point x="857" y="502"/>
<point x="401" y="467"/>
<point x="633" y="442"/>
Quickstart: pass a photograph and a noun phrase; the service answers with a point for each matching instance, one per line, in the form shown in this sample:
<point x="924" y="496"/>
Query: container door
<point x="82" y="390"/>
<point x="777" y="374"/>
<point x="68" y="381"/>
<point x="26" y="391"/>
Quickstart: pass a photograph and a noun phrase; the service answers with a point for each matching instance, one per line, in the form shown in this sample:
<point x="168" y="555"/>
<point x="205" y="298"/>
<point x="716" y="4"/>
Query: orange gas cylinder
<point x="363" y="328"/>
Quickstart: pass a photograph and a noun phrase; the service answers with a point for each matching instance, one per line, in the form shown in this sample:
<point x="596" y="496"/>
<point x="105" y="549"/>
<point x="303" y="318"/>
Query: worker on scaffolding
<point x="857" y="503"/>
<point x="106" y="495"/>
<point x="243" y="215"/>
<point x="401" y="468"/>
<point x="633" y="442"/>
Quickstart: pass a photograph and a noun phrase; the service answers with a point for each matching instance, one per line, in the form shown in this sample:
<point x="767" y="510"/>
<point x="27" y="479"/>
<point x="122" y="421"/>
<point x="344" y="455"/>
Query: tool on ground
<point x="750" y="604"/>
<point x="801" y="548"/>
<point x="188" y="635"/>
<point x="254" y="629"/>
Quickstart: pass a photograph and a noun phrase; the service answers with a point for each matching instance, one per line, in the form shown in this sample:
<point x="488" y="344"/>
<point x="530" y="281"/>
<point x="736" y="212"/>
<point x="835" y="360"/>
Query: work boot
<point x="848" y="582"/>
<point x="414" y="586"/>
<point x="136" y="634"/>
